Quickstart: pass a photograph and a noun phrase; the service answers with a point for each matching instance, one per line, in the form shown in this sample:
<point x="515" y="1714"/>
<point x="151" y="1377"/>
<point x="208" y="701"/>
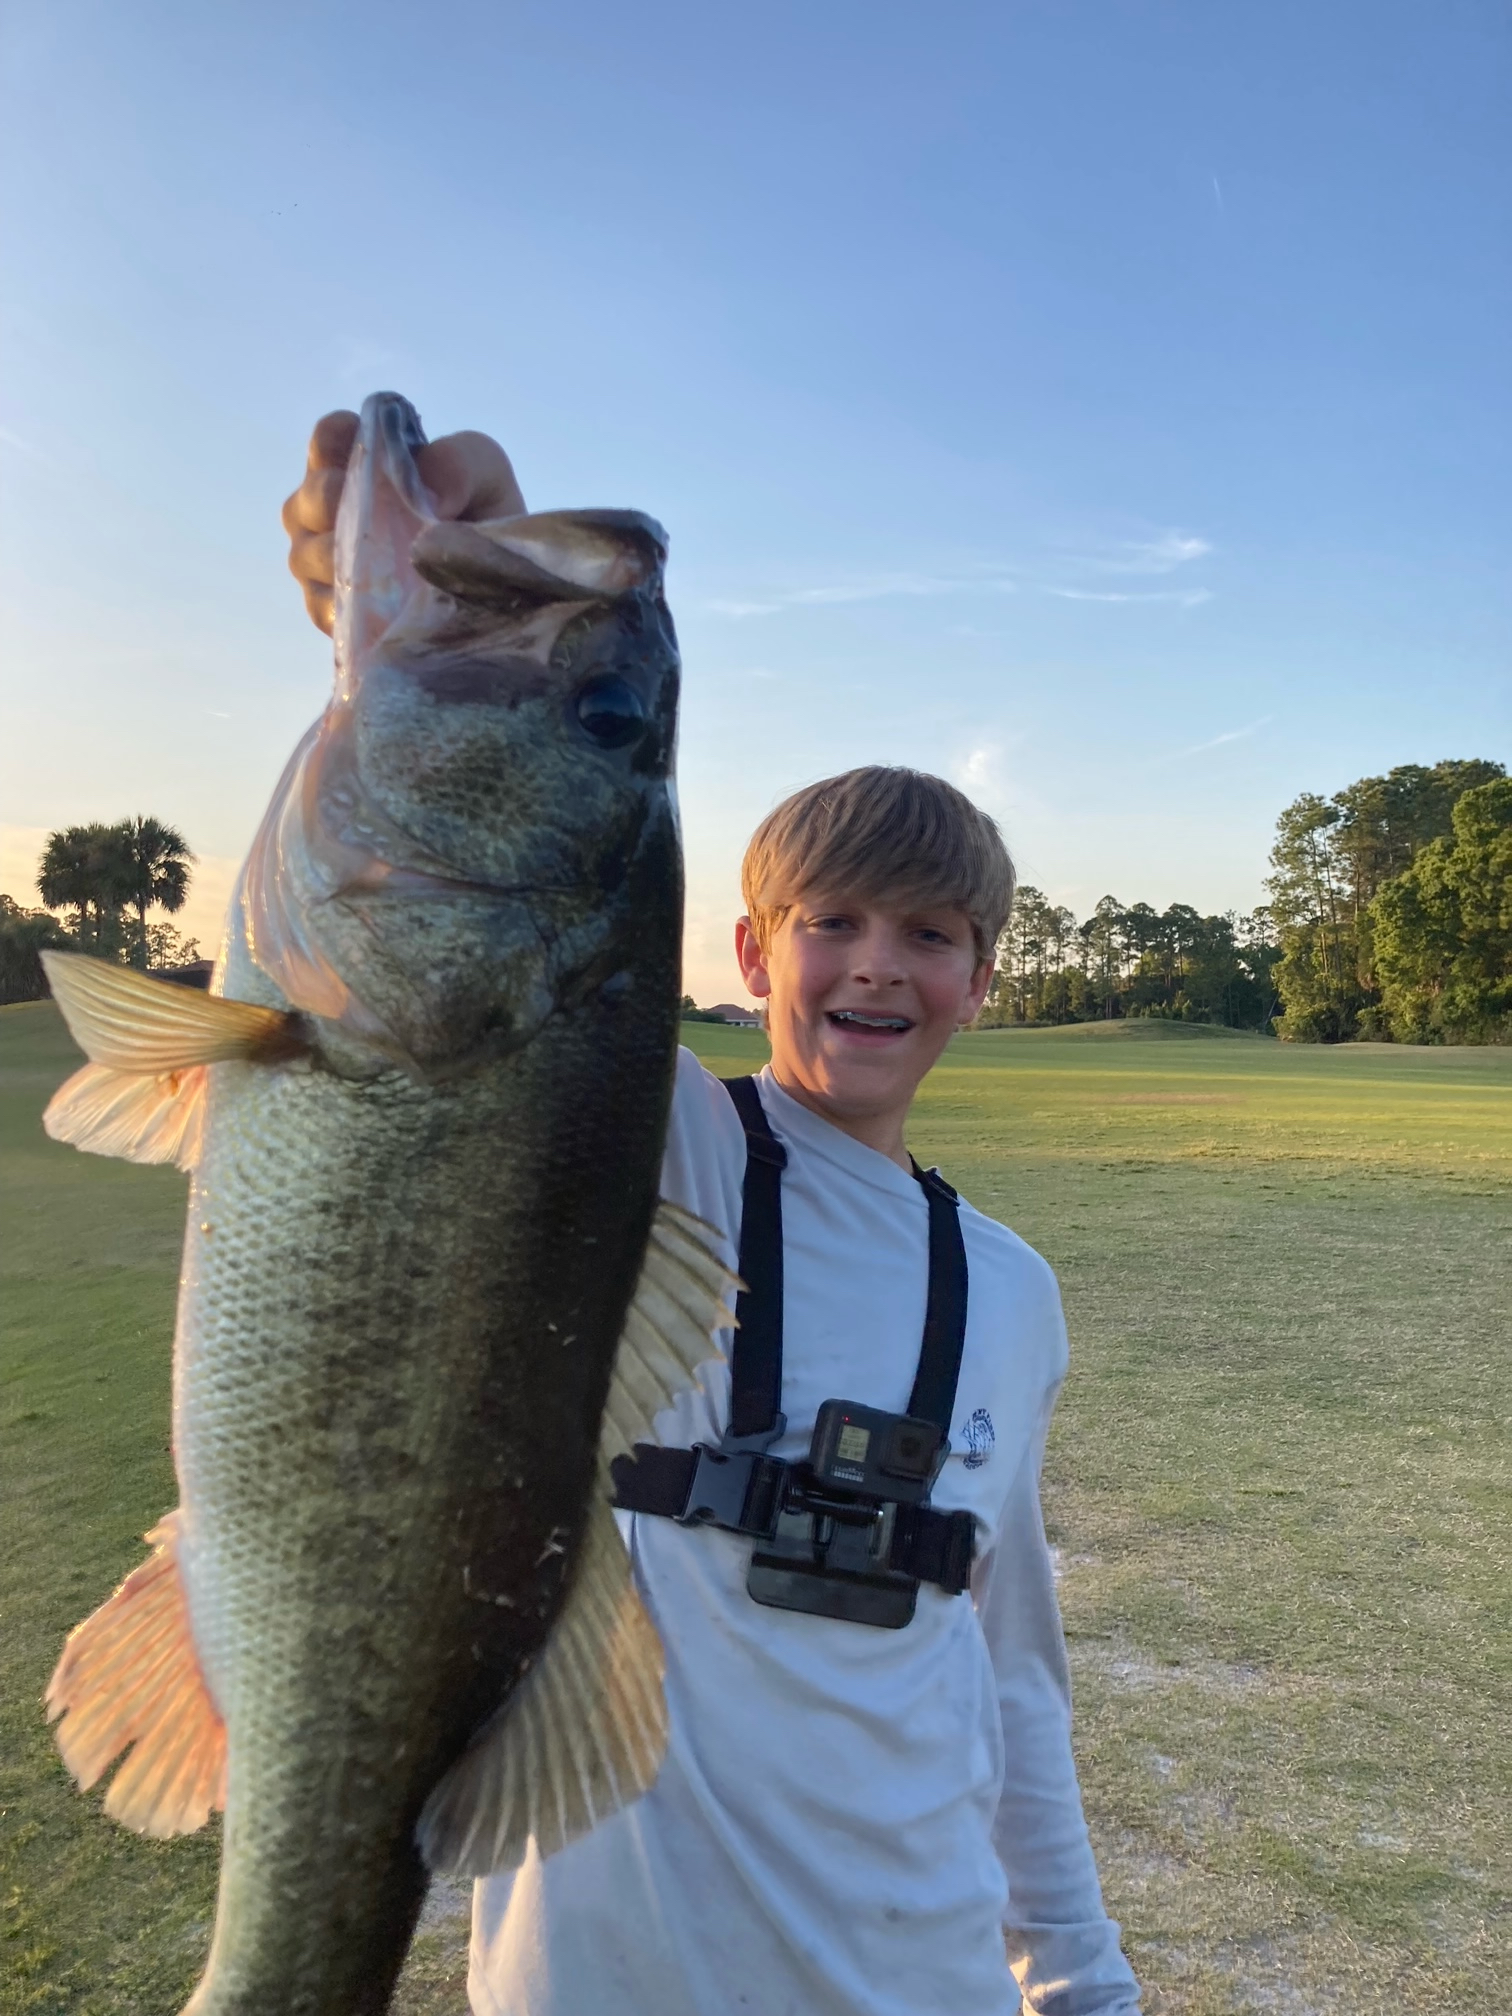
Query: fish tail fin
<point x="123" y="1019"/>
<point x="582" y="1734"/>
<point x="129" y="1675"/>
<point x="125" y="1113"/>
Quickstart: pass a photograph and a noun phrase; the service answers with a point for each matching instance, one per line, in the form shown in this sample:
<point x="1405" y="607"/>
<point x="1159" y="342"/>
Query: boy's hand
<point x="468" y="475"/>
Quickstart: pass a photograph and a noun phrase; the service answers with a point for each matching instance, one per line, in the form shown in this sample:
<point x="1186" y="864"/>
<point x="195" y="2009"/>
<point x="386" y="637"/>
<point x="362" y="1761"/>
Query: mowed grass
<point x="1279" y="1487"/>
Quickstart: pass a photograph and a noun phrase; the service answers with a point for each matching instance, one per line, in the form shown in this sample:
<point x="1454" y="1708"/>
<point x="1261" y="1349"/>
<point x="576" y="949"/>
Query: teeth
<point x="872" y="1021"/>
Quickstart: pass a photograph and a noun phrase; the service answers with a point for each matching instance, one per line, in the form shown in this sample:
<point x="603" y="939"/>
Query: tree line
<point x="1390" y="917"/>
<point x="1132" y="960"/>
<point x="1392" y="903"/>
<point x="106" y="880"/>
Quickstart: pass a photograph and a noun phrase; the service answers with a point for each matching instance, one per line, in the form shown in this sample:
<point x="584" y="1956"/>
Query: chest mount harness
<point x="849" y="1531"/>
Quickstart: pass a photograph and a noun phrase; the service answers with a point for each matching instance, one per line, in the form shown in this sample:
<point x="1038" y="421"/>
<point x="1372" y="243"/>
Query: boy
<point x="851" y="1820"/>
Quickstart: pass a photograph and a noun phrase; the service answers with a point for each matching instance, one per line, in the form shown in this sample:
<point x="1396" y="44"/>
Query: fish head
<point x="483" y="830"/>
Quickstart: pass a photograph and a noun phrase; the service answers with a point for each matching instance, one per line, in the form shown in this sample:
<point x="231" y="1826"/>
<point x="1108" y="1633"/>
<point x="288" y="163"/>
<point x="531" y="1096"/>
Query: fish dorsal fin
<point x="126" y="1113"/>
<point x="682" y="1298"/>
<point x="121" y="1018"/>
<point x="130" y="1675"/>
<point x="584" y="1732"/>
<point x="581" y="1735"/>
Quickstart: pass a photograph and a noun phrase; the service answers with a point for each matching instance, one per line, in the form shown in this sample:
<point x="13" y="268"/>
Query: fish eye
<point x="611" y="712"/>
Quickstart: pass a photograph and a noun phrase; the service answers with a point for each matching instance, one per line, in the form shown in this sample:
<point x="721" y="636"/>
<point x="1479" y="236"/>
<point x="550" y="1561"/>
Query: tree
<point x="24" y="936"/>
<point x="168" y="948"/>
<point x="156" y="862"/>
<point x="1331" y="860"/>
<point x="1259" y="998"/>
<point x="1102" y="940"/>
<point x="86" y="869"/>
<point x="1130" y="962"/>
<point x="101" y="872"/>
<point x="1307" y="902"/>
<point x="1443" y="929"/>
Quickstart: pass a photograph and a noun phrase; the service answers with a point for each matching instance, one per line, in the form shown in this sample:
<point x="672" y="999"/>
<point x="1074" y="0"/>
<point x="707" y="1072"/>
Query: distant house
<point x="743" y="1018"/>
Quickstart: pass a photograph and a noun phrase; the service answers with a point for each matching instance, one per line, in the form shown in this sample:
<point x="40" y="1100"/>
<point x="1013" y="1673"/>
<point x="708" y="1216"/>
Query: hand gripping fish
<point x="428" y="1291"/>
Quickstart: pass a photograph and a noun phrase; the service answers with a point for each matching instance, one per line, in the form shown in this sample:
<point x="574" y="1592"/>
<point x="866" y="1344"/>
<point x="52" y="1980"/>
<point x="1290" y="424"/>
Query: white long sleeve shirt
<point x="849" y="1821"/>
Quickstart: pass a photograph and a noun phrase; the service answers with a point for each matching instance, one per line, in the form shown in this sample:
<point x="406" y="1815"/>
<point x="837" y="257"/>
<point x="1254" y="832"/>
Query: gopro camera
<point x="831" y="1551"/>
<point x="880" y="1455"/>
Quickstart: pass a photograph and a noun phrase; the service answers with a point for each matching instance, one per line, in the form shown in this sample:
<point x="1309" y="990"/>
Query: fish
<point x="429" y="1290"/>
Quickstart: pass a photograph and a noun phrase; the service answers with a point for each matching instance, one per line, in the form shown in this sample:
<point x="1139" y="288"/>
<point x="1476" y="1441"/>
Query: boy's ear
<point x="976" y="991"/>
<point x="753" y="961"/>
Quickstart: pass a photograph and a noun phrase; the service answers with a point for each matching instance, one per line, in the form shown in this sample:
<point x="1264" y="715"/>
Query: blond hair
<point x="880" y="833"/>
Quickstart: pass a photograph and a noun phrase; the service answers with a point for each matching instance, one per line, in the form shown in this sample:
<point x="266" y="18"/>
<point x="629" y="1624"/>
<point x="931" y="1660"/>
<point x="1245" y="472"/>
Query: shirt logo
<point x="981" y="1439"/>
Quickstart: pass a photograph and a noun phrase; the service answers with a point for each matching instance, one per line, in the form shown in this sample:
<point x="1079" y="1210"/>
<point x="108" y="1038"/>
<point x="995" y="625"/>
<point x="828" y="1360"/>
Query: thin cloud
<point x="876" y="589"/>
<point x="1217" y="741"/>
<point x="21" y="447"/>
<point x="1184" y="598"/>
<point x="1160" y="555"/>
<point x="977" y="771"/>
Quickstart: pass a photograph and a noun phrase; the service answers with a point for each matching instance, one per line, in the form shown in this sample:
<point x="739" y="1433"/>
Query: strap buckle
<point x="739" y="1488"/>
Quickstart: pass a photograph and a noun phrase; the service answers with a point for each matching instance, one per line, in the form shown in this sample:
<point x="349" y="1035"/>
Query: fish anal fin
<point x="582" y="1735"/>
<point x="681" y="1300"/>
<point x="129" y="1675"/>
<point x="123" y="1019"/>
<point x="127" y="1113"/>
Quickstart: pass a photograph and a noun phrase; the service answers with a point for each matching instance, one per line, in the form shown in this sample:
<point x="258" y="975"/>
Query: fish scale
<point x="325" y="1567"/>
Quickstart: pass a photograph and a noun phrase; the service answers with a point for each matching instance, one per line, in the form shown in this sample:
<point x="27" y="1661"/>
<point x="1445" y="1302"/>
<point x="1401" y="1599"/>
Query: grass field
<point x="1280" y="1488"/>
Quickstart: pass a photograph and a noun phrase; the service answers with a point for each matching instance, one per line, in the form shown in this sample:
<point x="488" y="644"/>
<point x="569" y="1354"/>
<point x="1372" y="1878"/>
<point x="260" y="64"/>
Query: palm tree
<point x="65" y="877"/>
<point x="85" y="869"/>
<point x="156" y="860"/>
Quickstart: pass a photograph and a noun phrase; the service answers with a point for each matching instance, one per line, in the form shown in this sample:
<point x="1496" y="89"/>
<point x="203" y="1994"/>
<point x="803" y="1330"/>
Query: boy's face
<point x="862" y="998"/>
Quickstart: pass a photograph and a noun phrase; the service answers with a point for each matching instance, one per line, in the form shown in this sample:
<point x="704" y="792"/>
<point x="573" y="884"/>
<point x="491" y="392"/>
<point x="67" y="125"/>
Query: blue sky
<point x="1104" y="404"/>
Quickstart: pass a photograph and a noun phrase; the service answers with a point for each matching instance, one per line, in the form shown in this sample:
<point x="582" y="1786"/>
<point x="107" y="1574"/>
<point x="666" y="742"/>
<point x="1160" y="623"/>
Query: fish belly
<point x="398" y="1316"/>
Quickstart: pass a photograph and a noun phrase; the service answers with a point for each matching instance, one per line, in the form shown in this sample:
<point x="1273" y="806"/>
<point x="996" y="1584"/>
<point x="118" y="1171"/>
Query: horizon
<point x="1108" y="415"/>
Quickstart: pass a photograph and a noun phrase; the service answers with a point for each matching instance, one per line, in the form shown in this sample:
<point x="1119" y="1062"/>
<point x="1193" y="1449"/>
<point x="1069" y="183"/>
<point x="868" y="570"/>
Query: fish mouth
<point x="860" y="1018"/>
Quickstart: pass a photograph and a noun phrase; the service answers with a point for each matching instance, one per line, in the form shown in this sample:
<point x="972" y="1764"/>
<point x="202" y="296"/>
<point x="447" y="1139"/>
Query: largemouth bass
<point x="427" y="1287"/>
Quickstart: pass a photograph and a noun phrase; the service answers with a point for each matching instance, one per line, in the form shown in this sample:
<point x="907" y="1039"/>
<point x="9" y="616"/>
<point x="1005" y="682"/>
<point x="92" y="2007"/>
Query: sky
<point x="1104" y="405"/>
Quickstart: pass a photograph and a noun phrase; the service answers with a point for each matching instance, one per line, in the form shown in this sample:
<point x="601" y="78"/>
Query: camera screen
<point x="852" y="1443"/>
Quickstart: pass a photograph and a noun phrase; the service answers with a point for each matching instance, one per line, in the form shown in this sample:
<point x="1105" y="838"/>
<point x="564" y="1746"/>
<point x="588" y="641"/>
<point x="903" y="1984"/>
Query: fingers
<point x="312" y="562"/>
<point x="313" y="506"/>
<point x="320" y="607"/>
<point x="332" y="441"/>
<point x="470" y="476"/>
<point x="309" y="516"/>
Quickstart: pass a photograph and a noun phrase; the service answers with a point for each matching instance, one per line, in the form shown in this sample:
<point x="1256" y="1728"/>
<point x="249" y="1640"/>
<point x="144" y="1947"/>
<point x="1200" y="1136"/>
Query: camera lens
<point x="911" y="1450"/>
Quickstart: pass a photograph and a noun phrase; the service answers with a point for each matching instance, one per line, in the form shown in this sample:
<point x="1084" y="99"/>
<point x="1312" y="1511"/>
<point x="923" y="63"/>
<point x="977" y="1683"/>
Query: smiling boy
<point x="851" y="1820"/>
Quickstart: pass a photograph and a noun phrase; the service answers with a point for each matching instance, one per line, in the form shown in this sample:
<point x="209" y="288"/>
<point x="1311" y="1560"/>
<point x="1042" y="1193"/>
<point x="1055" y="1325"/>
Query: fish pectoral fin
<point x="582" y="1734"/>
<point x="681" y="1300"/>
<point x="126" y="1113"/>
<point x="125" y="1020"/>
<point x="130" y="1675"/>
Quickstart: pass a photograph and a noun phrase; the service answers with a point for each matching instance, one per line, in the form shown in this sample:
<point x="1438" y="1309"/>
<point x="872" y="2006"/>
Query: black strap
<point x="756" y="1365"/>
<point x="756" y="1362"/>
<point x="744" y="1493"/>
<point x="935" y="1546"/>
<point x="934" y="1391"/>
<point x="742" y="1490"/>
